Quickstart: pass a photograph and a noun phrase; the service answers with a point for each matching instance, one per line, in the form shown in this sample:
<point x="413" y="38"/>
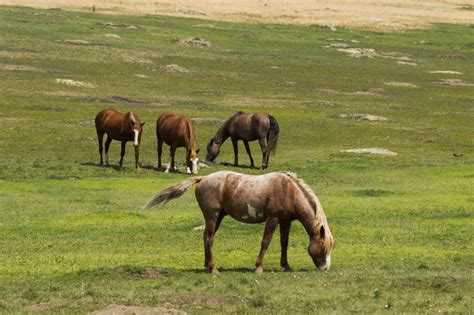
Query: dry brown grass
<point x="380" y="15"/>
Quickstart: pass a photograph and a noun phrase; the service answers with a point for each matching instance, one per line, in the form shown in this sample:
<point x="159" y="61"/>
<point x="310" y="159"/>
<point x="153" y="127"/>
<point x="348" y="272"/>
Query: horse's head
<point x="213" y="149"/>
<point x="136" y="126"/>
<point x="320" y="247"/>
<point x="192" y="161"/>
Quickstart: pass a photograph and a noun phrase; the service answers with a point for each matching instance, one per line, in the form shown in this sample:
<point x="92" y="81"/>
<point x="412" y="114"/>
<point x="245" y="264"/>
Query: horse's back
<point x="174" y="127"/>
<point x="107" y="118"/>
<point x="250" y="126"/>
<point x="246" y="198"/>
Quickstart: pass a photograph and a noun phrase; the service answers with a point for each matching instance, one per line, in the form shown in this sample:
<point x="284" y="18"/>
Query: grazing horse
<point x="274" y="198"/>
<point x="177" y="131"/>
<point x="118" y="126"/>
<point x="246" y="127"/>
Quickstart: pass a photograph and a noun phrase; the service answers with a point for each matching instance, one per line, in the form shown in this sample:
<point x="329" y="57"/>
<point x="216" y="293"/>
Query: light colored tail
<point x="172" y="192"/>
<point x="273" y="136"/>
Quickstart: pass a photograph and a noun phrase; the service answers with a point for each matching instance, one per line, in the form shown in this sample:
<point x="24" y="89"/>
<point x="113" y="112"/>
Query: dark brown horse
<point x="177" y="131"/>
<point x="121" y="127"/>
<point x="247" y="127"/>
<point x="274" y="198"/>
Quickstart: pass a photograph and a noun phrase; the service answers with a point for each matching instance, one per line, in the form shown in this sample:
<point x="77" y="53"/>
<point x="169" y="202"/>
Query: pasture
<point x="73" y="237"/>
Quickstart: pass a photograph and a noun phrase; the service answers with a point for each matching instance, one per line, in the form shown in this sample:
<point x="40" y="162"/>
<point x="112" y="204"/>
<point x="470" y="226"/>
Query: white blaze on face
<point x="195" y="165"/>
<point x="136" y="137"/>
<point x="328" y="262"/>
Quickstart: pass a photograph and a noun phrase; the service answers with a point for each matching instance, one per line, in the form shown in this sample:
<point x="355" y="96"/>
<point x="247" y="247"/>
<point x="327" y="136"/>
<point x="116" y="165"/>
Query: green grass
<point x="73" y="235"/>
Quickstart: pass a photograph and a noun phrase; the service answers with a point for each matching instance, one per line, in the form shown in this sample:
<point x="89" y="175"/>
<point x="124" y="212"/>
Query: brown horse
<point x="118" y="126"/>
<point x="177" y="131"/>
<point x="274" y="198"/>
<point x="246" y="127"/>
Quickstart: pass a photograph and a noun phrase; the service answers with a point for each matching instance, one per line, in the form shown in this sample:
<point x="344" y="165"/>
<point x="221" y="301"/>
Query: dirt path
<point x="372" y="14"/>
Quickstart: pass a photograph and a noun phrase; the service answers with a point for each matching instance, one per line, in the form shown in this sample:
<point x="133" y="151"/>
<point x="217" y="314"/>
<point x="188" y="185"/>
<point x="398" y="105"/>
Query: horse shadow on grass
<point x="227" y="164"/>
<point x="112" y="166"/>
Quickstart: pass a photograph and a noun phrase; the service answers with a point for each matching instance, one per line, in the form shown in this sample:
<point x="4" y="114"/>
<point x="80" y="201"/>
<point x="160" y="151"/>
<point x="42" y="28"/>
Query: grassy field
<point x="73" y="237"/>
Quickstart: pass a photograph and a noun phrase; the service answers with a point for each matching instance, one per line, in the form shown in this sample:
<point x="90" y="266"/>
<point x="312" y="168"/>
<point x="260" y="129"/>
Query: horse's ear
<point x="142" y="124"/>
<point x="132" y="118"/>
<point x="322" y="232"/>
<point x="197" y="151"/>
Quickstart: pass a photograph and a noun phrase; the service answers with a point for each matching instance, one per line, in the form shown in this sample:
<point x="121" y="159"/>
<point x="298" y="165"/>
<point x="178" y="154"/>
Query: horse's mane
<point x="310" y="196"/>
<point x="221" y="132"/>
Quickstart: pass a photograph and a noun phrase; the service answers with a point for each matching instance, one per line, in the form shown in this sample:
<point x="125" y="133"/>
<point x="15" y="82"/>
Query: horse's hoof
<point x="286" y="268"/>
<point x="259" y="270"/>
<point x="138" y="169"/>
<point x="213" y="270"/>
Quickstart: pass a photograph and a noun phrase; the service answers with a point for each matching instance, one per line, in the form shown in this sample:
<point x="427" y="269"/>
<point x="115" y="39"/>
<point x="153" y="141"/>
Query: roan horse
<point x="118" y="126"/>
<point x="274" y="198"/>
<point x="246" y="127"/>
<point x="177" y="131"/>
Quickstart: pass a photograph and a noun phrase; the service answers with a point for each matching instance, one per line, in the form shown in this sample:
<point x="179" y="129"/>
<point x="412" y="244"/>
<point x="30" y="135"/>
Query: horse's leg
<point x="122" y="152"/>
<point x="268" y="154"/>
<point x="171" y="162"/>
<point x="100" y="138"/>
<point x="247" y="148"/>
<point x="221" y="215"/>
<point x="284" y="234"/>
<point x="236" y="151"/>
<point x="107" y="146"/>
<point x="263" y="146"/>
<point x="160" y="151"/>
<point x="270" y="227"/>
<point x="137" y="156"/>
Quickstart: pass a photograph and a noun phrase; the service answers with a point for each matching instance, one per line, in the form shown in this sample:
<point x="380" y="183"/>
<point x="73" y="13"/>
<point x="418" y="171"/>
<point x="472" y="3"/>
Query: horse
<point x="246" y="127"/>
<point x="118" y="126"/>
<point x="275" y="198"/>
<point x="177" y="131"/>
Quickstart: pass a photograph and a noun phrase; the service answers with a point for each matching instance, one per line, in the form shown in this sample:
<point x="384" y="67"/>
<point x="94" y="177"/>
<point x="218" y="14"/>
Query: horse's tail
<point x="272" y="137"/>
<point x="172" y="192"/>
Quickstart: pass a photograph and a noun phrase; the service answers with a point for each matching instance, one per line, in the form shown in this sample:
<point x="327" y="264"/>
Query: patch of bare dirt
<point x="363" y="117"/>
<point x="195" y="41"/>
<point x="401" y="84"/>
<point x="368" y="52"/>
<point x="108" y="36"/>
<point x="378" y="151"/>
<point x="173" y="69"/>
<point x="141" y="76"/>
<point x="14" y="67"/>
<point x="377" y="15"/>
<point x="75" y="83"/>
<point x="455" y="82"/>
<point x="407" y="63"/>
<point x="115" y="309"/>
<point x="205" y="25"/>
<point x="445" y="72"/>
<point x="77" y="42"/>
<point x="369" y="92"/>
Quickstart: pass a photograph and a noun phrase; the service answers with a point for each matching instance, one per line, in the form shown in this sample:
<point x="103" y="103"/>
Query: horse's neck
<point x="222" y="134"/>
